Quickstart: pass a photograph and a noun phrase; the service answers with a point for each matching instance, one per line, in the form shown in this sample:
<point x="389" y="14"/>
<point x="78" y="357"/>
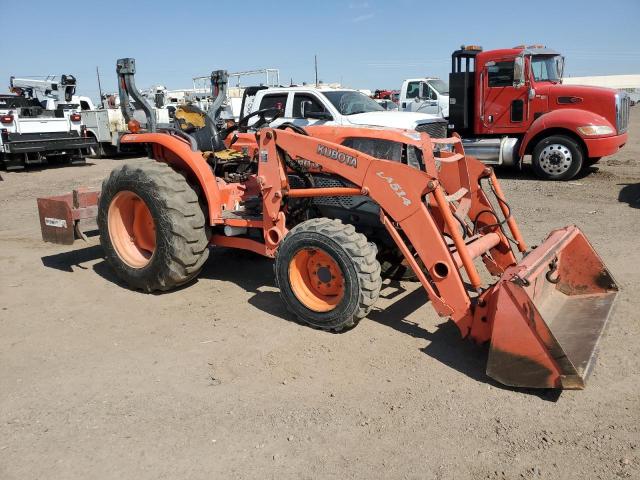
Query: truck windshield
<point x="351" y="103"/>
<point x="547" y="68"/>
<point x="441" y="87"/>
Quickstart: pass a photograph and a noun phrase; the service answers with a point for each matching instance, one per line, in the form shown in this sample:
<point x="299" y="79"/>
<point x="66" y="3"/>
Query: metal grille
<point x="623" y="104"/>
<point x="434" y="129"/>
<point x="321" y="181"/>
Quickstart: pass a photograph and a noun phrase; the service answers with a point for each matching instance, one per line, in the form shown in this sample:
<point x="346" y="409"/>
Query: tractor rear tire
<point x="328" y="274"/>
<point x="152" y="226"/>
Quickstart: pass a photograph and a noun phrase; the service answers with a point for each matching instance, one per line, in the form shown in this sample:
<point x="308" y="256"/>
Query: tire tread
<point x="188" y="243"/>
<point x="361" y="253"/>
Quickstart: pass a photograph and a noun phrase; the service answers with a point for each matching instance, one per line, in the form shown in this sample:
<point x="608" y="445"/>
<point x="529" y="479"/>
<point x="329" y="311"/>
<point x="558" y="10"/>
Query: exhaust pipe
<point x="493" y="151"/>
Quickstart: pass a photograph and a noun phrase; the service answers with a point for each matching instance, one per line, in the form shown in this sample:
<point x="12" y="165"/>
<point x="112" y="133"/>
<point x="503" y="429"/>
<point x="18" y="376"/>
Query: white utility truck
<point x="106" y="125"/>
<point x="32" y="134"/>
<point x="426" y="95"/>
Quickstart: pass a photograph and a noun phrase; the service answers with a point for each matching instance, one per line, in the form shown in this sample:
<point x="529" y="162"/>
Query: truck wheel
<point x="108" y="150"/>
<point x="557" y="158"/>
<point x="152" y="227"/>
<point x="328" y="274"/>
<point x="96" y="152"/>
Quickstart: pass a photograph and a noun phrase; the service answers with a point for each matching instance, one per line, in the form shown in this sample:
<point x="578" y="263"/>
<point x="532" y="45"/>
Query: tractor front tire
<point x="152" y="226"/>
<point x="328" y="274"/>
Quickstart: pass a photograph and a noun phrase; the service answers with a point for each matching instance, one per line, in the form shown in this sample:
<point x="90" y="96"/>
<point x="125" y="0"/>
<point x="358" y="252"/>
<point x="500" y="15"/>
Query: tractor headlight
<point x="590" y="130"/>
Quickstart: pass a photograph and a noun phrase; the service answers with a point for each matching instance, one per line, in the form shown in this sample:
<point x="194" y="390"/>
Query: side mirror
<point x="424" y="94"/>
<point x="560" y="66"/>
<point x="532" y="93"/>
<point x="305" y="106"/>
<point x="307" y="112"/>
<point x="518" y="72"/>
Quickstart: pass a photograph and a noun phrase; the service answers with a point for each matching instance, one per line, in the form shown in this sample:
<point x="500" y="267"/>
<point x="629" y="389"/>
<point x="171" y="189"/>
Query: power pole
<point x="100" y="87"/>
<point x="315" y="60"/>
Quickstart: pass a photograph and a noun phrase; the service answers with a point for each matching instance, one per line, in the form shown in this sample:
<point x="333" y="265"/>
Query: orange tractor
<point x="277" y="193"/>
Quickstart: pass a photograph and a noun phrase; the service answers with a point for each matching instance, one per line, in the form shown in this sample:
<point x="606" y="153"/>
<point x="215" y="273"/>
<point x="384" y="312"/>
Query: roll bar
<point x="126" y="69"/>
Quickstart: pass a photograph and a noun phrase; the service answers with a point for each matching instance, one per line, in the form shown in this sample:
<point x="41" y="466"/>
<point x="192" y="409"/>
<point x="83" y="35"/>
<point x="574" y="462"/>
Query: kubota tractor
<point x="542" y="315"/>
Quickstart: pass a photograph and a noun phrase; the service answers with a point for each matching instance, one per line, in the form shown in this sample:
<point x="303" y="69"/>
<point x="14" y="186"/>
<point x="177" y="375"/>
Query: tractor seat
<point x="194" y="121"/>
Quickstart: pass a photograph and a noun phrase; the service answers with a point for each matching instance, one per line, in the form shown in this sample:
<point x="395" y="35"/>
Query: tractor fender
<point x="567" y="119"/>
<point x="177" y="153"/>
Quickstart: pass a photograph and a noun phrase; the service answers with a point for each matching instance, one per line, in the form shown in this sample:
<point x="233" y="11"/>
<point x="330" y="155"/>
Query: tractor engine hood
<point x="391" y="119"/>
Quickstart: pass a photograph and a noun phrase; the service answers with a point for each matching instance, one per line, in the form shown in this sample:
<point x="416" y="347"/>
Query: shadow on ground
<point x="254" y="273"/>
<point x="446" y="345"/>
<point x="65" y="261"/>
<point x="630" y="194"/>
<point x="49" y="166"/>
<point x="526" y="173"/>
<point x="251" y="272"/>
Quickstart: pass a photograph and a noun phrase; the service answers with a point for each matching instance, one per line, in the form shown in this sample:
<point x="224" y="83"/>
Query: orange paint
<point x="133" y="232"/>
<point x="316" y="279"/>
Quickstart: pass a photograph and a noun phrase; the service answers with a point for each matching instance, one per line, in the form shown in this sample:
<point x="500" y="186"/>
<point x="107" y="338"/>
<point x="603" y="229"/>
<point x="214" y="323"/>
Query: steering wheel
<point x="266" y="116"/>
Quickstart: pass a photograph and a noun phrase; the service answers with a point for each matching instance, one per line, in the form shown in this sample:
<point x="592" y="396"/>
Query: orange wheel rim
<point x="316" y="279"/>
<point x="131" y="229"/>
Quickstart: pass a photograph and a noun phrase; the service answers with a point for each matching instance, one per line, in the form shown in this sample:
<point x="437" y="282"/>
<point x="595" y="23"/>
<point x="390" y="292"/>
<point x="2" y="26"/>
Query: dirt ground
<point x="216" y="380"/>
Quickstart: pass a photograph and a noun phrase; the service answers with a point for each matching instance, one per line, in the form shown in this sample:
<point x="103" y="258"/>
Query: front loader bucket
<point x="549" y="312"/>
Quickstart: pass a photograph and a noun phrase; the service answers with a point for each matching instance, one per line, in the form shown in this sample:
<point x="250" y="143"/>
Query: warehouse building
<point x="628" y="83"/>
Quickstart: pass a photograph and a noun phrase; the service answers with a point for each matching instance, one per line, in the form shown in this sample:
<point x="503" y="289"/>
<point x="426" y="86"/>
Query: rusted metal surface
<point x="60" y="215"/>
<point x="546" y="328"/>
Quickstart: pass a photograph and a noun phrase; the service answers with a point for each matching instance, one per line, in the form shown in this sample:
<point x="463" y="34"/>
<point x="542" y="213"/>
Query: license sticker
<point x="55" y="222"/>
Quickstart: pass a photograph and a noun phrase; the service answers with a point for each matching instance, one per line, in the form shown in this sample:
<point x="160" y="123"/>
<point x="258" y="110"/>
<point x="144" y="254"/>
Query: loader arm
<point x="414" y="205"/>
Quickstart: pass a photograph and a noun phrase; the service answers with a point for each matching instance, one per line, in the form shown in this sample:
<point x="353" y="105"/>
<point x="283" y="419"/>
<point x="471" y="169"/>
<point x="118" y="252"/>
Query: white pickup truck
<point x="425" y="94"/>
<point x="309" y="105"/>
<point x="29" y="134"/>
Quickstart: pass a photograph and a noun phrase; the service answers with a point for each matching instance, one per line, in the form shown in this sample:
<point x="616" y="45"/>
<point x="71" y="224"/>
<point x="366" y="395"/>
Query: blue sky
<point x="364" y="44"/>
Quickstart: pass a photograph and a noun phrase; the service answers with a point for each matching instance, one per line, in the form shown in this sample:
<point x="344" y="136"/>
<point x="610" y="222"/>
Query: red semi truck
<point x="510" y="103"/>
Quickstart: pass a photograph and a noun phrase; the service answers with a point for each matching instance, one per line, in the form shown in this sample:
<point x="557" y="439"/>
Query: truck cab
<point x="425" y="94"/>
<point x="77" y="104"/>
<point x="304" y="106"/>
<point x="510" y="103"/>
